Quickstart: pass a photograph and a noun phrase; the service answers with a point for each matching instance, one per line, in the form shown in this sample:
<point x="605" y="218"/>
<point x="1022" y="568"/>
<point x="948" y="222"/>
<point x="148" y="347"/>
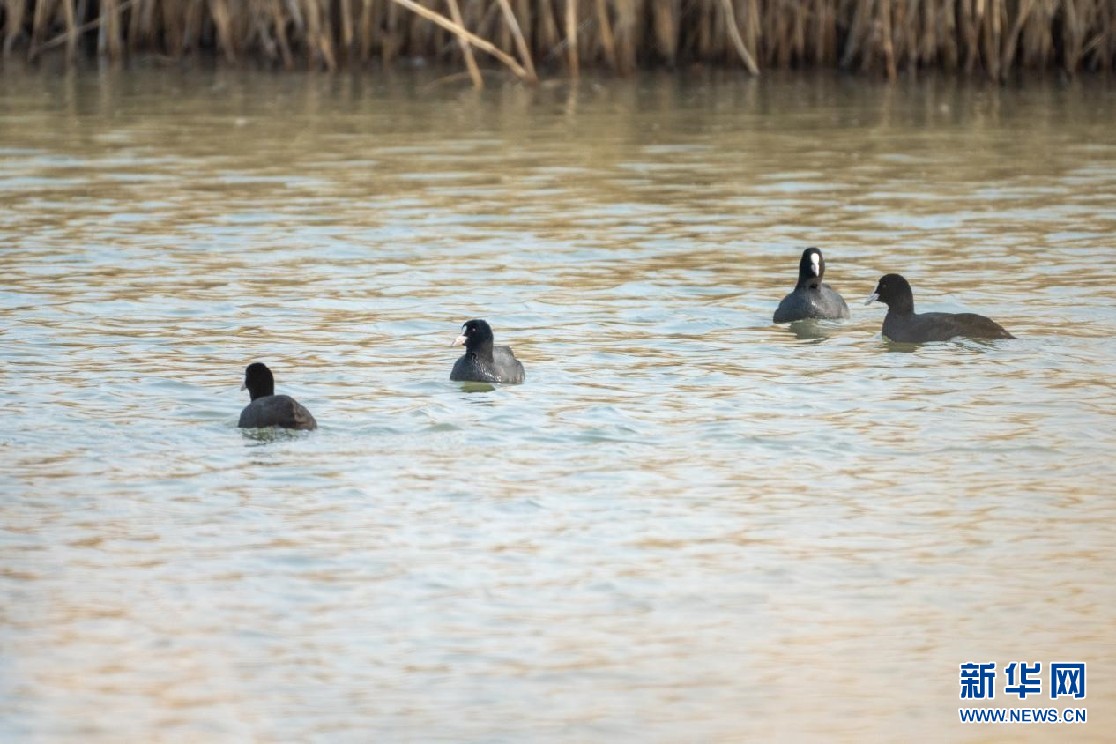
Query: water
<point x="688" y="524"/>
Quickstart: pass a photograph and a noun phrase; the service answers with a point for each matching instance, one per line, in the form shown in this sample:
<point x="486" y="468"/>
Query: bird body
<point x="922" y="327"/>
<point x="904" y="325"/>
<point x="276" y="410"/>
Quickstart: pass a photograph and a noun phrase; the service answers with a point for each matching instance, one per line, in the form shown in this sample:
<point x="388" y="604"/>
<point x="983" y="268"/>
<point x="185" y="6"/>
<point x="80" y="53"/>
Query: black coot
<point x="267" y="408"/>
<point x="811" y="298"/>
<point x="483" y="361"/>
<point x="904" y="325"/>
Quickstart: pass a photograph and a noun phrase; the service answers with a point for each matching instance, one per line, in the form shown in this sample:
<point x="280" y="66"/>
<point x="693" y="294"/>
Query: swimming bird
<point x="904" y="325"/>
<point x="267" y="408"/>
<point x="811" y="298"/>
<point x="483" y="361"/>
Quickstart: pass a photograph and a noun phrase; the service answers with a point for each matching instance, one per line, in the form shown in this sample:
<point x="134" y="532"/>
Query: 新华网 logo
<point x="1063" y="679"/>
<point x="1021" y="680"/>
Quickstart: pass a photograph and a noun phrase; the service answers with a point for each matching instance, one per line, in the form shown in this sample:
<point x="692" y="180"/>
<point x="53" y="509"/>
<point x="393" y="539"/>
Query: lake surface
<point x="689" y="524"/>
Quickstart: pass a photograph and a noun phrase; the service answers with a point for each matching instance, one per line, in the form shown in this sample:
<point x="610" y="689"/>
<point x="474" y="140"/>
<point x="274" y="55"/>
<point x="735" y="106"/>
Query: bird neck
<point x="901" y="306"/>
<point x="262" y="391"/>
<point x="482" y="351"/>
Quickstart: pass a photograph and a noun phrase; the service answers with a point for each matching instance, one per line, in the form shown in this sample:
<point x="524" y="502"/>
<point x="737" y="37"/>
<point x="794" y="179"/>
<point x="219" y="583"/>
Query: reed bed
<point x="995" y="38"/>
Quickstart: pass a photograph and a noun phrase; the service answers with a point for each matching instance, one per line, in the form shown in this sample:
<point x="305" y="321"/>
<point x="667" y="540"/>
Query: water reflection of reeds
<point x="995" y="38"/>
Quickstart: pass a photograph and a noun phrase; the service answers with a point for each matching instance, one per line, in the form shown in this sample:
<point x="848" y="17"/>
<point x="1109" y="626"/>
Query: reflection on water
<point x="687" y="524"/>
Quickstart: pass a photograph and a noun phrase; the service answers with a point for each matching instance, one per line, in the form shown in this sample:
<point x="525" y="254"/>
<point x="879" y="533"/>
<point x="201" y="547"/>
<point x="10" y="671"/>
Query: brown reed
<point x="994" y="38"/>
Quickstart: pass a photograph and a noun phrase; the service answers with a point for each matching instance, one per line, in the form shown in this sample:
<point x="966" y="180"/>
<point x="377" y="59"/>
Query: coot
<point x="267" y="408"/>
<point x="811" y="298"/>
<point x="903" y="324"/>
<point x="483" y="361"/>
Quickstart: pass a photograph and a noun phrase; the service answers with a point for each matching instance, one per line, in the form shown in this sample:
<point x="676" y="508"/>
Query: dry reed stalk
<point x="934" y="44"/>
<point x="920" y="33"/>
<point x="39" y="20"/>
<point x="798" y="30"/>
<point x="476" y="41"/>
<point x="1033" y="41"/>
<point x="910" y="36"/>
<point x="571" y="36"/>
<point x="734" y="35"/>
<point x="924" y="32"/>
<point x="992" y="42"/>
<point x="819" y="25"/>
<point x="1012" y="42"/>
<point x="325" y="34"/>
<point x="259" y="34"/>
<point x="752" y="41"/>
<point x="416" y="36"/>
<point x="898" y="22"/>
<point x="219" y="10"/>
<point x="135" y="29"/>
<point x="172" y="32"/>
<point x="193" y="25"/>
<point x="547" y="33"/>
<point x="949" y="34"/>
<point x="832" y="19"/>
<point x="293" y="15"/>
<point x="70" y="36"/>
<point x="470" y="63"/>
<point x="970" y="32"/>
<point x="702" y="43"/>
<point x="487" y="23"/>
<point x="1071" y="36"/>
<point x="279" y="24"/>
<point x="1090" y="42"/>
<point x="109" y="42"/>
<point x="524" y="11"/>
<point x="13" y="23"/>
<point x="785" y="39"/>
<point x="1108" y="36"/>
<point x="608" y="41"/>
<point x="664" y="15"/>
<point x="859" y="29"/>
<point x="773" y="31"/>
<point x="319" y="36"/>
<point x="72" y="33"/>
<point x="348" y="32"/>
<point x="888" y="48"/>
<point x="497" y="31"/>
<point x="391" y="43"/>
<point x="365" y="25"/>
<point x="313" y="24"/>
<point x="520" y="41"/>
<point x="628" y="14"/>
<point x="81" y="13"/>
<point x="1107" y="40"/>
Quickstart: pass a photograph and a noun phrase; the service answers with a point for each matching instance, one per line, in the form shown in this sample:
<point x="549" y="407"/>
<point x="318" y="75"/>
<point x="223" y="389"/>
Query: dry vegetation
<point x="989" y="37"/>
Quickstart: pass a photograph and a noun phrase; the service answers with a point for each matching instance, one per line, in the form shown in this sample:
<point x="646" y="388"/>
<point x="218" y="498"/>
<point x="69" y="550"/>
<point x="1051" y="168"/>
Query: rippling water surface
<point x="689" y="524"/>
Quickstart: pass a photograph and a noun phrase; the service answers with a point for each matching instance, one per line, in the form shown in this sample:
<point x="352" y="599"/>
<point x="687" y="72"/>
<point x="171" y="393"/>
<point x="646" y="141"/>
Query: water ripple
<point x="689" y="524"/>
